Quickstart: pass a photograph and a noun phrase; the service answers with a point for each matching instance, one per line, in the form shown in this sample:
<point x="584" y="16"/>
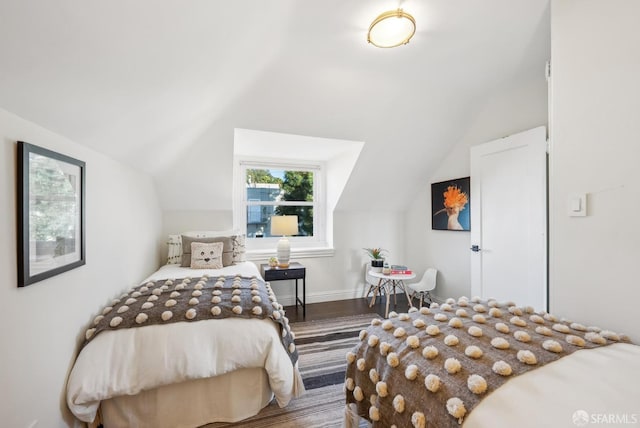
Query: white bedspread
<point x="127" y="361"/>
<point x="601" y="383"/>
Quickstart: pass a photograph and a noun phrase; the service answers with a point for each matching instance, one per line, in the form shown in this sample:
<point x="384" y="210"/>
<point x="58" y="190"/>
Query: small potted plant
<point x="273" y="262"/>
<point x="377" y="258"/>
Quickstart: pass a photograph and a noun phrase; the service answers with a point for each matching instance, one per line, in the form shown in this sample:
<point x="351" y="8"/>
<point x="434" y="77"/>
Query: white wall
<point x="507" y="112"/>
<point x="595" y="134"/>
<point x="177" y="221"/>
<point x="42" y="323"/>
<point x="407" y="235"/>
<point x="342" y="275"/>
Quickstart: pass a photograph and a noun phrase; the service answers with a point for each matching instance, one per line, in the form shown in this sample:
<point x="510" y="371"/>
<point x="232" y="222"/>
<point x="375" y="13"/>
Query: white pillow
<point x="239" y="248"/>
<point x="174" y="250"/>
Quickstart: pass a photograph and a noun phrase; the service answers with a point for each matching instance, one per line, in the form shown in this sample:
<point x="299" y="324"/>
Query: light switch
<point x="577" y="205"/>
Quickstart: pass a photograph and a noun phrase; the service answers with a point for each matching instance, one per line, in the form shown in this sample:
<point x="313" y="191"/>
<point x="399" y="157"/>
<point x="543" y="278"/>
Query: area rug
<point x="322" y="346"/>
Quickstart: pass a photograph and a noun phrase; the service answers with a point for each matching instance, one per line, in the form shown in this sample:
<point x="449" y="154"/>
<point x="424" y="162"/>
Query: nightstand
<point x="294" y="271"/>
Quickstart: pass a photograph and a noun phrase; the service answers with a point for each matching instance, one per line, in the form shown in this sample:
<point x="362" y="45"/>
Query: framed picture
<point x="450" y="205"/>
<point x="51" y="226"/>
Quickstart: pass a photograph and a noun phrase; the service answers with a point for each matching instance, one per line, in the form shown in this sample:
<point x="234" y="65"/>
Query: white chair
<point x="372" y="285"/>
<point x="369" y="281"/>
<point x="424" y="286"/>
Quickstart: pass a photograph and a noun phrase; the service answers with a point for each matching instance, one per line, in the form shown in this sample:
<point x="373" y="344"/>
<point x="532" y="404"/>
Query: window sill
<point x="296" y="253"/>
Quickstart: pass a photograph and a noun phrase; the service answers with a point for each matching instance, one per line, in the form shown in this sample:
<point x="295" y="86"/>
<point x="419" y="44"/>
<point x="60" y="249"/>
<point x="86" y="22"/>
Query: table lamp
<point x="284" y="225"/>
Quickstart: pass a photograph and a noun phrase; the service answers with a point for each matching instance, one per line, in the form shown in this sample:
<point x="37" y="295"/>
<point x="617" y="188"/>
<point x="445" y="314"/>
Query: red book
<point x="401" y="272"/>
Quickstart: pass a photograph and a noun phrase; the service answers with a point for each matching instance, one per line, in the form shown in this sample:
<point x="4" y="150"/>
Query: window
<point x="277" y="173"/>
<point x="270" y="189"/>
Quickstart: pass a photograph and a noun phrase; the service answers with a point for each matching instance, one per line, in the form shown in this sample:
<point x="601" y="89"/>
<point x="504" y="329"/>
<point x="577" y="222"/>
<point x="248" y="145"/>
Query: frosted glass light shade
<point x="391" y="29"/>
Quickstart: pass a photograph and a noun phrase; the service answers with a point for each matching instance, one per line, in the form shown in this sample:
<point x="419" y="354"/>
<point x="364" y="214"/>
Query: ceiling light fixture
<point x="391" y="29"/>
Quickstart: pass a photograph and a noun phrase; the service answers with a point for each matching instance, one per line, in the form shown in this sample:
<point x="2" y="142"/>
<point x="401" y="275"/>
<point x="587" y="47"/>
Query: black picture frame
<point x="451" y="205"/>
<point x="51" y="213"/>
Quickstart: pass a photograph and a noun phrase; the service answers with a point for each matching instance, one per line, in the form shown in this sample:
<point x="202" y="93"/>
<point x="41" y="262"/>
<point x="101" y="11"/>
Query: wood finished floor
<point x="341" y="308"/>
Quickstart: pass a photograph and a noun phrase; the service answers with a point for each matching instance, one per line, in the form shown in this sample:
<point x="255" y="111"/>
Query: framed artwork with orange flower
<point x="450" y="205"/>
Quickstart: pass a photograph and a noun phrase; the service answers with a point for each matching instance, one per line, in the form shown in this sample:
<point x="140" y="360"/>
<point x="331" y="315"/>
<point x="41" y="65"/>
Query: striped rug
<point x="322" y="346"/>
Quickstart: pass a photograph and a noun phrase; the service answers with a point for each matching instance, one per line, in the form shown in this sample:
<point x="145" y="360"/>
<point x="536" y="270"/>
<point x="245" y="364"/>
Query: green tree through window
<point x="261" y="176"/>
<point x="270" y="187"/>
<point x="298" y="186"/>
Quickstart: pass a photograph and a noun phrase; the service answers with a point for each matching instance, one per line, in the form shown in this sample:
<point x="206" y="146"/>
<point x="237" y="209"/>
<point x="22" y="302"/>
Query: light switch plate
<point x="577" y="204"/>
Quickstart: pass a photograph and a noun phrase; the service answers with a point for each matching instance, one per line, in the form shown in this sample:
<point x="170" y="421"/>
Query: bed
<point x="210" y="361"/>
<point x="481" y="364"/>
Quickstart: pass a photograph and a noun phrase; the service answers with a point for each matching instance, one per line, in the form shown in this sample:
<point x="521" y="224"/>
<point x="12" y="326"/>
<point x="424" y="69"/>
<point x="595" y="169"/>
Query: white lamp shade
<point x="284" y="225"/>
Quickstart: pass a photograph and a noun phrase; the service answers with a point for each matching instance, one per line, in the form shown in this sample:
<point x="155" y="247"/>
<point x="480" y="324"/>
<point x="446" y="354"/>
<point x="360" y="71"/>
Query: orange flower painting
<point x="450" y="205"/>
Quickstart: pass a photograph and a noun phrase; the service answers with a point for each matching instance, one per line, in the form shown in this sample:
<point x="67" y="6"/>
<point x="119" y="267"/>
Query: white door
<point x="509" y="219"/>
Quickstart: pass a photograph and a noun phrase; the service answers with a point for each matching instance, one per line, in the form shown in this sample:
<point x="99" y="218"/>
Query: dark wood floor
<point x="341" y="308"/>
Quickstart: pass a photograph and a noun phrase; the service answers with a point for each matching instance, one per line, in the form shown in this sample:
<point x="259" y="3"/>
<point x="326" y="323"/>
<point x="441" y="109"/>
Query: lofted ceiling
<point x="162" y="83"/>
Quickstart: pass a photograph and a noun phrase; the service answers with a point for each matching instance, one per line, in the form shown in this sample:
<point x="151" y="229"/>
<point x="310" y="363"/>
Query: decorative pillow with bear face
<point x="179" y="246"/>
<point x="206" y="255"/>
<point x="227" y="248"/>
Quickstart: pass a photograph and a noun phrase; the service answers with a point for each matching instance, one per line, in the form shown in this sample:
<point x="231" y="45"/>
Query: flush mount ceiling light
<point x="391" y="29"/>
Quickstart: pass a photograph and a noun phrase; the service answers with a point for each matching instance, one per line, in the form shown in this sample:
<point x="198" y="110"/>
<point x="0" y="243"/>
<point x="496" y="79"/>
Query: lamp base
<point x="283" y="251"/>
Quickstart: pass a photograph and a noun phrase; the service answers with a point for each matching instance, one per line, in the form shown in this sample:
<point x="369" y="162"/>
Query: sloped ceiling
<point x="161" y="84"/>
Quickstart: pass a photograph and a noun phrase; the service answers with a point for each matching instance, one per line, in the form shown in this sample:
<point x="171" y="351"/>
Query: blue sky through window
<point x="278" y="173"/>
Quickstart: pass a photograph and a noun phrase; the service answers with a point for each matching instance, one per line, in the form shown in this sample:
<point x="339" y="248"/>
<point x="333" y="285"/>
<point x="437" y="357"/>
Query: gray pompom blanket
<point x="430" y="368"/>
<point x="191" y="300"/>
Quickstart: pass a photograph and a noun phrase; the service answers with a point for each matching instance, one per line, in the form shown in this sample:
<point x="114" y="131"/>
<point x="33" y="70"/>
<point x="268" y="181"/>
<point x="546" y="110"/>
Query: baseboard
<point x="330" y="296"/>
<point x="323" y="296"/>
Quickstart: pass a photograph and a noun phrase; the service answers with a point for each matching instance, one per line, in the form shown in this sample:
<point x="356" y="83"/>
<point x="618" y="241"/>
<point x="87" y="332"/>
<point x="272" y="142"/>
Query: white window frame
<point x="301" y="246"/>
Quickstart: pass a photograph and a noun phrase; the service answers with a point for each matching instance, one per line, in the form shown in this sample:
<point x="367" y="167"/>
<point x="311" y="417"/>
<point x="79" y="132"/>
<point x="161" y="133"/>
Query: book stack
<point x="400" y="270"/>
